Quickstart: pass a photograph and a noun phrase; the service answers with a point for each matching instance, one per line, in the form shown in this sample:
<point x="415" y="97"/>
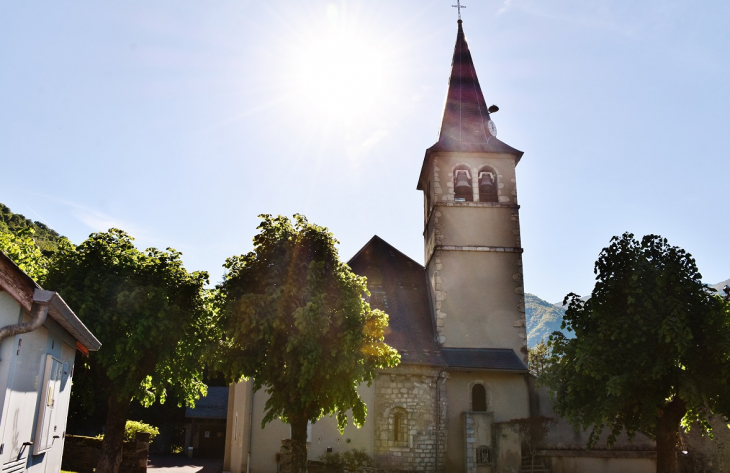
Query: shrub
<point x="351" y="460"/>
<point x="133" y="426"/>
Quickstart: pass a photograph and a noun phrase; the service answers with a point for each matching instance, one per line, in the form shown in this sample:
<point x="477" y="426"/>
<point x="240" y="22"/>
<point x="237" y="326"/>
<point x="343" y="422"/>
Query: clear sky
<point x="180" y="121"/>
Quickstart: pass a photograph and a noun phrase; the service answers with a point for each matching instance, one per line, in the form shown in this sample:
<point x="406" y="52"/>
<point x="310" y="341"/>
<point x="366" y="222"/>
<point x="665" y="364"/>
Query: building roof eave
<point x="444" y="146"/>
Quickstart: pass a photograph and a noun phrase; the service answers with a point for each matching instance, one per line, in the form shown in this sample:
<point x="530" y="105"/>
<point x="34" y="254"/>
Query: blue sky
<point x="180" y="121"/>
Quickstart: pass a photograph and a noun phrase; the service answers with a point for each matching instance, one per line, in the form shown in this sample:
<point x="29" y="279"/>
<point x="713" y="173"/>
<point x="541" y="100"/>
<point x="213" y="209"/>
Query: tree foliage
<point x="152" y="317"/>
<point x="297" y="324"/>
<point x="652" y="347"/>
<point x="24" y="252"/>
<point x="46" y="238"/>
<point x="539" y="358"/>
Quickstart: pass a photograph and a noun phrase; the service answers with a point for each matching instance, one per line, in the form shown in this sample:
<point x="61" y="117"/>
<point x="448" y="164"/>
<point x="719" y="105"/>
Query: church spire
<point x="465" y="115"/>
<point x="465" y="123"/>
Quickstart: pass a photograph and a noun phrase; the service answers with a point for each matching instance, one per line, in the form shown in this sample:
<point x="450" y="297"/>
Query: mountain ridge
<point x="544" y="318"/>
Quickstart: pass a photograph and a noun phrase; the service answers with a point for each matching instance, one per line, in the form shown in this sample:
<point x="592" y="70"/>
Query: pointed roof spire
<point x="464" y="123"/>
<point x="466" y="113"/>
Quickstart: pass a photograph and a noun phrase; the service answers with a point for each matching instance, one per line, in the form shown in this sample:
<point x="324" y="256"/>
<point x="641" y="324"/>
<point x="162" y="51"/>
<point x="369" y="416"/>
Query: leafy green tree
<point x="652" y="347"/>
<point x="152" y="318"/>
<point x="23" y="251"/>
<point x="298" y="325"/>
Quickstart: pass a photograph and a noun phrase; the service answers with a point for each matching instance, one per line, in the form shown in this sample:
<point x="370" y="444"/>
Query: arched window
<point x="462" y="184"/>
<point x="400" y="427"/>
<point x="478" y="398"/>
<point x="487" y="179"/>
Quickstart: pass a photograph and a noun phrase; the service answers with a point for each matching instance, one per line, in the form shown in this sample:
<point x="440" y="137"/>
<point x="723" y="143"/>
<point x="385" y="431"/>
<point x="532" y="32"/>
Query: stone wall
<point x="420" y="393"/>
<point x="479" y="426"/>
<point x="707" y="455"/>
<point x="81" y="454"/>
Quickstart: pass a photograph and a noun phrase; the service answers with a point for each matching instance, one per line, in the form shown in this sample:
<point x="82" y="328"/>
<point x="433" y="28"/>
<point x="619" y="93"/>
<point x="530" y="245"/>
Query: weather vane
<point x="459" y="6"/>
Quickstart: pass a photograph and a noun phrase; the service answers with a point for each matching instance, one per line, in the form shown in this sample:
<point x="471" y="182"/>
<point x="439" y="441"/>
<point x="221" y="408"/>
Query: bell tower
<point x="473" y="253"/>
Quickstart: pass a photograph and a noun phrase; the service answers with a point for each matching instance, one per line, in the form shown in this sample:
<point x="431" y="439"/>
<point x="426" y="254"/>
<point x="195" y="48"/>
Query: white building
<point x="39" y="337"/>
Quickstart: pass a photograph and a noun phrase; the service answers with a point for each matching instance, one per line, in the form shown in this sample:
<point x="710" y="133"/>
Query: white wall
<point x="23" y="361"/>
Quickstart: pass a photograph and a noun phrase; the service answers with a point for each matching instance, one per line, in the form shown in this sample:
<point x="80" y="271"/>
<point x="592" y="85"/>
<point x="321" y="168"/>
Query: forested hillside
<point x="721" y="285"/>
<point x="543" y="318"/>
<point x="46" y="238"/>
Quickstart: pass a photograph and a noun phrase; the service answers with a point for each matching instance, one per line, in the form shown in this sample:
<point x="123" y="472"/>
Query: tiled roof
<point x="489" y="359"/>
<point x="398" y="287"/>
<point x="212" y="406"/>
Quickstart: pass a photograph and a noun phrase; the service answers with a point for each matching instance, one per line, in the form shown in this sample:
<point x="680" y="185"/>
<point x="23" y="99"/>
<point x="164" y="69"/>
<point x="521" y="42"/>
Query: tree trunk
<point x="299" y="443"/>
<point x="667" y="429"/>
<point x="111" y="448"/>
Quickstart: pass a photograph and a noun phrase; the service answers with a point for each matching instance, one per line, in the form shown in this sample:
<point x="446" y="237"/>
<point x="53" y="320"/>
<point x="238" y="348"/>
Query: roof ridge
<point x="393" y="247"/>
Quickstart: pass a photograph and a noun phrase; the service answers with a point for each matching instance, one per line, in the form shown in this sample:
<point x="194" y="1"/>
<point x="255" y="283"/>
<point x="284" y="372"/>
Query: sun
<point x="339" y="73"/>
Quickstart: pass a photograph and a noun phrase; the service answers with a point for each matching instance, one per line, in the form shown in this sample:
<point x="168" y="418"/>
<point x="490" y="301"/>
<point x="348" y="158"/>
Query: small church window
<point x="462" y="185"/>
<point x="487" y="185"/>
<point x="484" y="455"/>
<point x="478" y="398"/>
<point x="400" y="427"/>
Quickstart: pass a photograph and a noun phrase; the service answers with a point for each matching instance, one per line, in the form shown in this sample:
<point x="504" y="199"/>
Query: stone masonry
<point x="420" y="393"/>
<point x="81" y="454"/>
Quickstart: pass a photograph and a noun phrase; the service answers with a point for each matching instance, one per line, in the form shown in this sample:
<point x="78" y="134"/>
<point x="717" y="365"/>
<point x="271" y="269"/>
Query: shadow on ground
<point x="181" y="464"/>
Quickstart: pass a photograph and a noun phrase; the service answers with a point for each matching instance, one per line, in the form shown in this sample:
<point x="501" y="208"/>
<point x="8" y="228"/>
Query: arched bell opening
<point x="487" y="180"/>
<point x="462" y="184"/>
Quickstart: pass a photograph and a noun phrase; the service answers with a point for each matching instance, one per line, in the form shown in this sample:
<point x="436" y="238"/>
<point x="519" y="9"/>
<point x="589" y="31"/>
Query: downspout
<point x="38" y="312"/>
<point x="438" y="415"/>
<point x="250" y="432"/>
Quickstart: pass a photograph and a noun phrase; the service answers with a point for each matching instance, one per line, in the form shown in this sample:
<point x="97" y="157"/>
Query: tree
<point x="23" y="250"/>
<point x="652" y="347"/>
<point x="297" y="324"/>
<point x="152" y="318"/>
<point x="538" y="358"/>
<point x="532" y="430"/>
<point x="45" y="238"/>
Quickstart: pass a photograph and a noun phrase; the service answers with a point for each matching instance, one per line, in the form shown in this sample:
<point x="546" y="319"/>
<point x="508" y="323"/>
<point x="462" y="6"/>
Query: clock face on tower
<point x="492" y="127"/>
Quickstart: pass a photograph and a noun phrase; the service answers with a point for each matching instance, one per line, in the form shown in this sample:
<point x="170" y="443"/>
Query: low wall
<point x="81" y="454"/>
<point x="605" y="461"/>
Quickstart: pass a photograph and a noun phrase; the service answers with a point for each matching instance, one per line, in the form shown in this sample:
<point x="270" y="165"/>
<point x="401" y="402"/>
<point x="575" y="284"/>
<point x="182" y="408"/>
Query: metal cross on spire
<point x="459" y="6"/>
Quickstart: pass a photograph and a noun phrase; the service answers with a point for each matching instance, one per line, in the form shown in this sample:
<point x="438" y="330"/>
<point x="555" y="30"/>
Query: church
<point x="458" y="321"/>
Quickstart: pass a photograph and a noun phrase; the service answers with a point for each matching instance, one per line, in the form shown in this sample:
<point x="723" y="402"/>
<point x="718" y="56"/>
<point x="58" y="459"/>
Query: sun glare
<point x="339" y="75"/>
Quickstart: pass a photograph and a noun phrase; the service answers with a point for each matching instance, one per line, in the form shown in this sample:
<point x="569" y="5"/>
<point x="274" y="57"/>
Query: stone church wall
<point x="419" y="393"/>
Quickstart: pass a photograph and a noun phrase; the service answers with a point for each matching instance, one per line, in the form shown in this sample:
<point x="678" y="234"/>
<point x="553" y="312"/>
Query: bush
<point x="351" y="460"/>
<point x="133" y="426"/>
